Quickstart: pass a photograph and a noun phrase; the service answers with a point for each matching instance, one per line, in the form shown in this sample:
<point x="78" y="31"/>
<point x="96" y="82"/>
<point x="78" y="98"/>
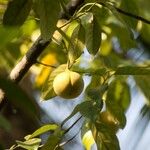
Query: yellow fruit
<point x="68" y="84"/>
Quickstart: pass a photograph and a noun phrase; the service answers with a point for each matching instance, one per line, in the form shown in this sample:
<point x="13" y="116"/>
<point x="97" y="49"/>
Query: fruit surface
<point x="68" y="84"/>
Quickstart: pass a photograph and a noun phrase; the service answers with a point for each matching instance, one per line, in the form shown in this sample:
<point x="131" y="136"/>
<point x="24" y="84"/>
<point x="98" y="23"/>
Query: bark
<point x="19" y="71"/>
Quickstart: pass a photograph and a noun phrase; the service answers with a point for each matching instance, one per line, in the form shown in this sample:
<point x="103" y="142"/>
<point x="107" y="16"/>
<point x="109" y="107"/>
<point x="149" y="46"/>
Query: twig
<point x="71" y="8"/>
<point x="132" y="15"/>
<point x="64" y="143"/>
<point x="66" y="131"/>
<point x="47" y="65"/>
<point x="128" y="14"/>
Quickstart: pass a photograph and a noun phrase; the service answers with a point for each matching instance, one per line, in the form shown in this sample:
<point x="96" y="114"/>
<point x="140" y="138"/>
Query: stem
<point x="47" y="65"/>
<point x="72" y="125"/>
<point x="132" y="15"/>
<point x="66" y="142"/>
<point x="127" y="13"/>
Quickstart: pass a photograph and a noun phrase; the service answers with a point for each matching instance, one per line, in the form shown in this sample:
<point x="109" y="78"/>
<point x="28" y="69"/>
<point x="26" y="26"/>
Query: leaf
<point x="48" y="12"/>
<point x="31" y="144"/>
<point x="92" y="33"/>
<point x="101" y="13"/>
<point x="144" y="85"/>
<point x="130" y="7"/>
<point x="118" y="100"/>
<point x="77" y="44"/>
<point x="131" y="70"/>
<point x="7" y="35"/>
<point x="90" y="71"/>
<point x="53" y="140"/>
<point x="118" y="16"/>
<point x="68" y="34"/>
<point x="124" y="38"/>
<point x="88" y="109"/>
<point x="145" y="32"/>
<point x="119" y="92"/>
<point x="47" y="91"/>
<point x="18" y="97"/>
<point x="105" y="139"/>
<point x="96" y="89"/>
<point x="88" y="140"/>
<point x="16" y="13"/>
<point x="117" y="112"/>
<point x="43" y="129"/>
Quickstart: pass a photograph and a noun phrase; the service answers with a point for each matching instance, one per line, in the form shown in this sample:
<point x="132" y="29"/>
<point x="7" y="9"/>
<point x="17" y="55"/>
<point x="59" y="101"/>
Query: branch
<point x="19" y="71"/>
<point x="28" y="60"/>
<point x="66" y="142"/>
<point x="71" y="8"/>
<point x="24" y="65"/>
<point x="132" y="15"/>
<point x="67" y="130"/>
<point x="46" y="65"/>
<point x="128" y="14"/>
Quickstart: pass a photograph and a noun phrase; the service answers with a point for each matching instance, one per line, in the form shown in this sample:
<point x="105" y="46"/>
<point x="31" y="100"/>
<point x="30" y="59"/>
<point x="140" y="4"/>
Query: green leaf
<point x="111" y="61"/>
<point x="88" y="109"/>
<point x="53" y="140"/>
<point x="145" y="32"/>
<point x="16" y="13"/>
<point x="118" y="100"/>
<point x="51" y="143"/>
<point x="77" y="39"/>
<point x="47" y="91"/>
<point x="106" y="140"/>
<point x="101" y="14"/>
<point x="7" y="35"/>
<point x="131" y="7"/>
<point x="131" y="70"/>
<point x="18" y="97"/>
<point x="68" y="34"/>
<point x="117" y="112"/>
<point x="144" y="85"/>
<point x="31" y="144"/>
<point x="48" y="11"/>
<point x="43" y="129"/>
<point x="89" y="71"/>
<point x="92" y="32"/>
<point x="118" y="16"/>
<point x="119" y="91"/>
<point x="124" y="38"/>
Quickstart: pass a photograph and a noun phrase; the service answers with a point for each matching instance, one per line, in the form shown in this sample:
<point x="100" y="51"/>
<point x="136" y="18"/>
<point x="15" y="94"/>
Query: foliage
<point x="97" y="30"/>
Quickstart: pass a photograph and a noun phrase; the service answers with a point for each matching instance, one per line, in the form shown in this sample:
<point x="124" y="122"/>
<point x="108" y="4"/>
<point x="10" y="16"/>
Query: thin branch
<point x="128" y="14"/>
<point x="133" y="15"/>
<point x="47" y="65"/>
<point x="66" y="131"/>
<point x="66" y="142"/>
<point x="71" y="8"/>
